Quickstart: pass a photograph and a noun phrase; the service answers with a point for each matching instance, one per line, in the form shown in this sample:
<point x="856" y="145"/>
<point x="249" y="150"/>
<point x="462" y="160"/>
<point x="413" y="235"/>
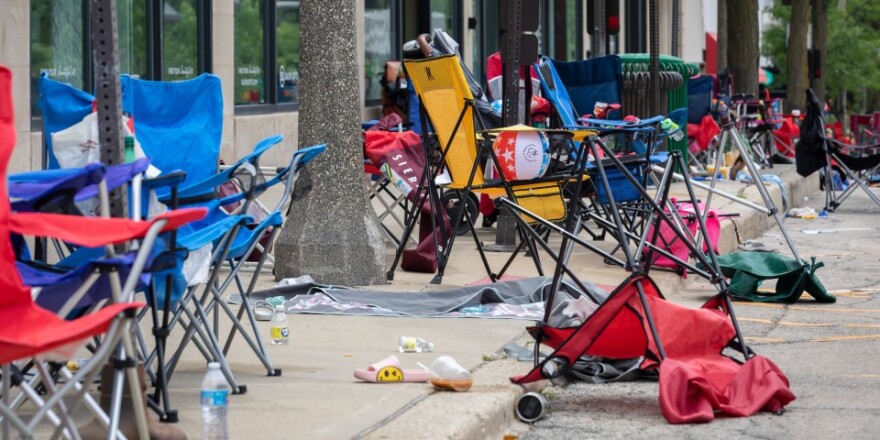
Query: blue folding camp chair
<point x="636" y="142"/>
<point x="178" y="124"/>
<point x="232" y="246"/>
<point x="574" y="87"/>
<point x="700" y="91"/>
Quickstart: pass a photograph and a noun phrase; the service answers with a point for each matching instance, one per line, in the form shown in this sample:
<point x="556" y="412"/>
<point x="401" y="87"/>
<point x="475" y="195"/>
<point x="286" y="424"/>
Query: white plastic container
<point x="446" y="374"/>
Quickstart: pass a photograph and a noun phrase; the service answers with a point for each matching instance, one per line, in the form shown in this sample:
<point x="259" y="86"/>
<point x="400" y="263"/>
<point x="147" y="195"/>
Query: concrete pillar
<point x="331" y="233"/>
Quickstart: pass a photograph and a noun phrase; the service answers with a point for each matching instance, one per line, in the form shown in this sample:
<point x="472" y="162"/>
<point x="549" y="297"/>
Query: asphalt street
<point x="829" y="352"/>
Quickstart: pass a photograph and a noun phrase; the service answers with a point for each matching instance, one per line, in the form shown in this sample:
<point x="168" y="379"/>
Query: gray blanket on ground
<point x="519" y="299"/>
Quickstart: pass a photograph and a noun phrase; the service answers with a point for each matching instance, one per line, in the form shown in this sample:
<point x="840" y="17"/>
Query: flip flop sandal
<point x="388" y="370"/>
<point x="263" y="311"/>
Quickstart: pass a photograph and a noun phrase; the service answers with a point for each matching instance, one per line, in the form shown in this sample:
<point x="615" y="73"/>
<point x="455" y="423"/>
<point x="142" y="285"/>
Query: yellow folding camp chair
<point x="457" y="145"/>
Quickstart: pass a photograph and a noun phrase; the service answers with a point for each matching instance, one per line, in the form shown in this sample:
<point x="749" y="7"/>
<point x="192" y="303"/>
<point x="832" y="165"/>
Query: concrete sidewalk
<point x="318" y="397"/>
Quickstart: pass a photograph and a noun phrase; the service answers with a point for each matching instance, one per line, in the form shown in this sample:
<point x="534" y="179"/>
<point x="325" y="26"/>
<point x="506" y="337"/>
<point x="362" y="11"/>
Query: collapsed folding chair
<point x="814" y="151"/>
<point x="453" y="152"/>
<point x="635" y="321"/>
<point x="28" y="331"/>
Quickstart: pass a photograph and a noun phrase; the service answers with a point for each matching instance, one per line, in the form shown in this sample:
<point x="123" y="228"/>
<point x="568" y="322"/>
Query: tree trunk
<point x="820" y="43"/>
<point x="332" y="232"/>
<point x="721" y="53"/>
<point x="797" y="55"/>
<point x="742" y="47"/>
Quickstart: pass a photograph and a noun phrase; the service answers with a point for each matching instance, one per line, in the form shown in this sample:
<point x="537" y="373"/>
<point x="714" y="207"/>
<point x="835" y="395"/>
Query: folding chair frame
<point x="834" y="157"/>
<point x="633" y="263"/>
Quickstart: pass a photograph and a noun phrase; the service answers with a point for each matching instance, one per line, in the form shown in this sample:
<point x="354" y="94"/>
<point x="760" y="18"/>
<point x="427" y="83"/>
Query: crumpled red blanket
<point x="691" y="391"/>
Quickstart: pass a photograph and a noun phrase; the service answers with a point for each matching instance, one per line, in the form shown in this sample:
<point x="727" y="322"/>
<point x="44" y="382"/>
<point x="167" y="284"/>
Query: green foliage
<point x="180" y="42"/>
<point x="853" y="41"/>
<point x="249" y="53"/>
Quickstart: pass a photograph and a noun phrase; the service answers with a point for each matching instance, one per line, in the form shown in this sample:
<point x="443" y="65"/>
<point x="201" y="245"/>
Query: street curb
<point x="484" y="411"/>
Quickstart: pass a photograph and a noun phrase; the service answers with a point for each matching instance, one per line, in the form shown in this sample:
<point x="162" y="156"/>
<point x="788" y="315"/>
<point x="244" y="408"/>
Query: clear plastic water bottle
<point x="279" y="332"/>
<point x="215" y="401"/>
<point x="671" y="128"/>
<point x="411" y="344"/>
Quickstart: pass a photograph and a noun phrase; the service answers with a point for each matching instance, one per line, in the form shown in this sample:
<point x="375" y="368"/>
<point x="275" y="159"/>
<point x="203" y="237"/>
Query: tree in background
<point x="797" y="54"/>
<point x="742" y="45"/>
<point x="820" y="44"/>
<point x="852" y="67"/>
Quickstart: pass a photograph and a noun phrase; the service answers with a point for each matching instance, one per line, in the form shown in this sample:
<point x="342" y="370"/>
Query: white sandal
<point x="263" y="311"/>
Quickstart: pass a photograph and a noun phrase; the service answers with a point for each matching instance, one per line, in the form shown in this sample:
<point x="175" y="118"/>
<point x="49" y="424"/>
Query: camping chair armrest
<point x="228" y="200"/>
<point x="648" y="124"/>
<point x="174" y="178"/>
<point x="47" y="175"/>
<point x="97" y="231"/>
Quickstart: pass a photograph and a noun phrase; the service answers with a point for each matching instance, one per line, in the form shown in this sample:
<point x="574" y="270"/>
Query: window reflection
<point x="287" y="48"/>
<point x="57" y="44"/>
<point x="441" y="16"/>
<point x="377" y="39"/>
<point x="249" y="86"/>
<point x="132" y="25"/>
<point x="180" y="40"/>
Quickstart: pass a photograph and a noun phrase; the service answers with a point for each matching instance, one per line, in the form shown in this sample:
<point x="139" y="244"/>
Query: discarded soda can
<point x="411" y="344"/>
<point x="532" y="407"/>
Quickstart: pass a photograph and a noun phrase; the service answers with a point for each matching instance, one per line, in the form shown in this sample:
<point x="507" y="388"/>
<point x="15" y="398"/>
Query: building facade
<point x="253" y="46"/>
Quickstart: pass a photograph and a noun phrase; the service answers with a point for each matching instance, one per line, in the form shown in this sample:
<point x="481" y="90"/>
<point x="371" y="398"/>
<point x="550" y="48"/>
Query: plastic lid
<point x="213" y="365"/>
<point x="280" y="307"/>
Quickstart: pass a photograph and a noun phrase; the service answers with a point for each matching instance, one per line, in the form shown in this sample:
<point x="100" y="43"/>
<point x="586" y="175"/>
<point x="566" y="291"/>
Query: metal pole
<point x="759" y="183"/>
<point x="105" y="53"/>
<point x="676" y="28"/>
<point x="510" y="56"/>
<point x="599" y="41"/>
<point x="654" y="69"/>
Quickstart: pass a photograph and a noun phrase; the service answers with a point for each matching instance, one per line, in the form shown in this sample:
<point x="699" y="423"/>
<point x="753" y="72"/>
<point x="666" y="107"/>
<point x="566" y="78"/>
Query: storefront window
<point x="132" y="25"/>
<point x="180" y="42"/>
<point x="377" y="45"/>
<point x="249" y="67"/>
<point x="442" y="16"/>
<point x="287" y="49"/>
<point x="58" y="45"/>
